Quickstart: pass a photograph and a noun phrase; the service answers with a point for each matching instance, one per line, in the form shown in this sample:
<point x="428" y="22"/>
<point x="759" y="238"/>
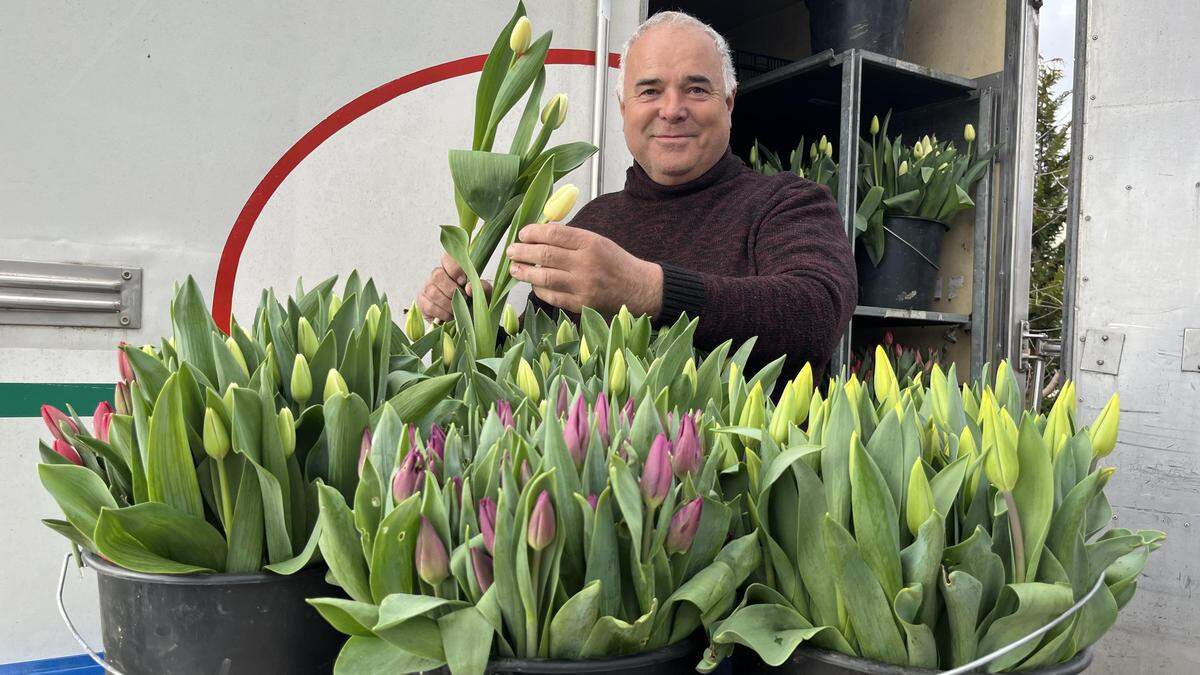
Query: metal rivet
<point x="1085" y="278"/>
<point x="126" y="275"/>
<point x="1104" y="338"/>
<point x="1083" y="338"/>
<point x="1099" y="362"/>
<point x="1187" y="524"/>
<point x="1092" y="97"/>
<point x="1087" y="218"/>
<point x="1091" y="157"/>
<point x="124" y="321"/>
<point x="1128" y="187"/>
<point x="1095" y="37"/>
<point x="1114" y="516"/>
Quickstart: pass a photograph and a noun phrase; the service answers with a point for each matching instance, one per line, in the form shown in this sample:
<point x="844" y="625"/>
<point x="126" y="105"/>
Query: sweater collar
<point x="639" y="184"/>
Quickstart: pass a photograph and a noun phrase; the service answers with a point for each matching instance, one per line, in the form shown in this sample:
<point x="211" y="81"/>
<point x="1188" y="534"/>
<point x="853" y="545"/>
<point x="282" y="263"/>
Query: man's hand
<point x="435" y="298"/>
<point x="571" y="268"/>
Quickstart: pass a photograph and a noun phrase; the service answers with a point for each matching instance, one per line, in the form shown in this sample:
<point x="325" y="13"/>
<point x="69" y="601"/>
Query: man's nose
<point x="674" y="106"/>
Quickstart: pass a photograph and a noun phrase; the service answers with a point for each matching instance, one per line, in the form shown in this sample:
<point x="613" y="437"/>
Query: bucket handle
<point x="914" y="248"/>
<point x="62" y="611"/>
<point x="988" y="658"/>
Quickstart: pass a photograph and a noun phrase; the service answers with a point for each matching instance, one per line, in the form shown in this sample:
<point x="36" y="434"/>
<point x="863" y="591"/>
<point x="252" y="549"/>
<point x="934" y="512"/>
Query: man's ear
<point x="621" y="105"/>
<point x="729" y="101"/>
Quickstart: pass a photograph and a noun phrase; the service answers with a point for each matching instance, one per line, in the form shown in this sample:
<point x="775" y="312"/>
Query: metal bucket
<point x="907" y="274"/>
<point x="676" y="659"/>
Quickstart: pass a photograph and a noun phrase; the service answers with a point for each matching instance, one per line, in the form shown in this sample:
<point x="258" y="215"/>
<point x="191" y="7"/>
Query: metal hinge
<point x="70" y="294"/>
<point x="1040" y="349"/>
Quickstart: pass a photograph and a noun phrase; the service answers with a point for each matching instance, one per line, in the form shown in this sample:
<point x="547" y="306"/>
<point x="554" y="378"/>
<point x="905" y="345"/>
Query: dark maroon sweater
<point x="748" y="254"/>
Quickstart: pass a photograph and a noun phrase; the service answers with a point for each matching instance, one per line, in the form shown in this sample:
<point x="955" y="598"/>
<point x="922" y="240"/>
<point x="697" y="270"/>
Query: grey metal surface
<point x="1017" y="128"/>
<point x="1135" y="272"/>
<point x="913" y="315"/>
<point x="1101" y="352"/>
<point x="1189" y="360"/>
<point x="981" y="297"/>
<point x="600" y="94"/>
<point x="70" y="294"/>
<point x="848" y="170"/>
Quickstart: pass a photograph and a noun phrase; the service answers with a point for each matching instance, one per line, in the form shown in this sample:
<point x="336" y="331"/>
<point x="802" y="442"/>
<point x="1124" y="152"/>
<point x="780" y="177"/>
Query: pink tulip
<point x="53" y="417"/>
<point x="576" y="431"/>
<point x="564" y="399"/>
<point x="505" y="412"/>
<point x="656" y="474"/>
<point x="592" y="500"/>
<point x="526" y="472"/>
<point x="64" y="448"/>
<point x="481" y="563"/>
<point x="121" y="399"/>
<point x="487" y="523"/>
<point x="408" y="477"/>
<point x="123" y="365"/>
<point x="437" y="441"/>
<point x="628" y="411"/>
<point x="602" y="414"/>
<point x="686" y="453"/>
<point x="433" y="565"/>
<point x="364" y="448"/>
<point x="457" y="482"/>
<point x="541" y="523"/>
<point x="684" y="525"/>
<point x="101" y="420"/>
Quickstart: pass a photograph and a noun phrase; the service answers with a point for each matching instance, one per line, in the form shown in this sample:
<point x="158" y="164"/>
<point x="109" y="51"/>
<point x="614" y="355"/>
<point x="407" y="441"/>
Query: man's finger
<point x="539" y="254"/>
<point x="554" y="234"/>
<point x="557" y="298"/>
<point x="442" y="283"/>
<point x="541" y="277"/>
<point x="453" y="270"/>
<point x="434" y="307"/>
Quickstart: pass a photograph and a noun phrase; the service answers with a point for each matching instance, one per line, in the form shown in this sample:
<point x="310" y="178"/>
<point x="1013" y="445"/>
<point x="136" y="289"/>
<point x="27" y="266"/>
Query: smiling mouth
<point x="673" y="137"/>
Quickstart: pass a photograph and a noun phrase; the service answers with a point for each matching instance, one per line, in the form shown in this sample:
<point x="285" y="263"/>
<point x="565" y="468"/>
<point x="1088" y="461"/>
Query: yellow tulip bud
<point x="753" y="410"/>
<point x="1000" y="451"/>
<point x="969" y="133"/>
<point x="926" y="145"/>
<point x="509" y="321"/>
<point x="302" y="383"/>
<point x="874" y="124"/>
<point x="816" y="407"/>
<point x="149" y="350"/>
<point x="306" y="338"/>
<point x="626" y="319"/>
<point x="236" y="351"/>
<point x="886" y="386"/>
<point x="822" y="143"/>
<point x="754" y="154"/>
<point x="555" y="111"/>
<point x="560" y="203"/>
<point x="544" y="363"/>
<point x="813" y="151"/>
<point x="618" y="378"/>
<point x="216" y="438"/>
<point x="829" y="149"/>
<point x="522" y="33"/>
<point x="374" y="314"/>
<point x="903" y="168"/>
<point x="781" y="419"/>
<point x="565" y="334"/>
<point x="966" y="444"/>
<point x="918" y="150"/>
<point x="335" y="303"/>
<point x="920" y="503"/>
<point x="287" y="431"/>
<point x="527" y="381"/>
<point x="803" y="389"/>
<point x="414" y="325"/>
<point x="227" y="399"/>
<point x="689" y="373"/>
<point x="335" y="384"/>
<point x="585" y="352"/>
<point x="448" y="350"/>
<point x="733" y="381"/>
<point x="1103" y="431"/>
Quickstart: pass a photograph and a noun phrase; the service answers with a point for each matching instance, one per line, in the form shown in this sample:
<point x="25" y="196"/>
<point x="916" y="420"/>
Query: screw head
<point x="1091" y="157"/>
<point x="126" y="275"/>
<point x="124" y="321"/>
<point x="1128" y="187"/>
<point x="1087" y="218"/>
<point x="1099" y="362"/>
<point x="1086" y="279"/>
<point x="1095" y="37"/>
<point x="1104" y="338"/>
<point x="1083" y="338"/>
<point x="1092" y="97"/>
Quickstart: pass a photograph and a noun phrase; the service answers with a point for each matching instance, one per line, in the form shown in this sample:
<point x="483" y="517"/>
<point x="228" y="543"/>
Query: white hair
<point x="728" y="74"/>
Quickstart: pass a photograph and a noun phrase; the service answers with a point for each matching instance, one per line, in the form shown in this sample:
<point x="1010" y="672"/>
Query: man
<point x="694" y="230"/>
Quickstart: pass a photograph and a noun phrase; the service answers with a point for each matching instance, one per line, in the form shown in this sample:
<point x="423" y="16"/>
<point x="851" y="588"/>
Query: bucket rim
<point x="612" y="663"/>
<point x="900" y="216"/>
<point x="1083" y="659"/>
<point x="109" y="569"/>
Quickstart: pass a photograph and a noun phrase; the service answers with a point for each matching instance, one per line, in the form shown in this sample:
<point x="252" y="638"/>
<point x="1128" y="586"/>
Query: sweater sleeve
<point x="799" y="299"/>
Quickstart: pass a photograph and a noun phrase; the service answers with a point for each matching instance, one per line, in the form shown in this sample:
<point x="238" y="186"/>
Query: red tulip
<point x="437" y="441"/>
<point x="576" y="431"/>
<point x="53" y="417"/>
<point x="602" y="414"/>
<point x="686" y="455"/>
<point x="123" y="365"/>
<point x="564" y="399"/>
<point x="433" y="565"/>
<point x="64" y="448"/>
<point x="121" y="399"/>
<point x="101" y="420"/>
<point x="408" y="477"/>
<point x="684" y="525"/>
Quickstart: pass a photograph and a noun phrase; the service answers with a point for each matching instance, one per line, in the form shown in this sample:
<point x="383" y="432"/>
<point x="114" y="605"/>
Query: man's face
<point x="675" y="110"/>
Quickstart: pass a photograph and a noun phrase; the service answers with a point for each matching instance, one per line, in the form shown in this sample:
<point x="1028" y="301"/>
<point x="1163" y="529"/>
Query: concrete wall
<point x="1137" y="279"/>
<point x="134" y="133"/>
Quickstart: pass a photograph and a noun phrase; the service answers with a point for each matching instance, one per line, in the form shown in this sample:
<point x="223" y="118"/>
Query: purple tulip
<point x="433" y="565"/>
<point x="481" y="563"/>
<point x="592" y="500"/>
<point x="684" y="525"/>
<point x="364" y="449"/>
<point x="64" y="449"/>
<point x="564" y="399"/>
<point x="457" y="482"/>
<point x="53" y="417"/>
<point x="576" y="431"/>
<point x="408" y="477"/>
<point x="505" y="412"/>
<point x="123" y="365"/>
<point x="487" y="523"/>
<point x="121" y="399"/>
<point x="602" y="414"/>
<point x="101" y="420"/>
<point x="628" y="411"/>
<point x="687" y="455"/>
<point x="541" y="523"/>
<point x="526" y="472"/>
<point x="437" y="441"/>
<point x="656" y="474"/>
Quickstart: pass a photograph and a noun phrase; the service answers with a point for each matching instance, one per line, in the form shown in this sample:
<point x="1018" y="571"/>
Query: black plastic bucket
<point x="873" y="25"/>
<point x="214" y="623"/>
<point x="907" y="273"/>
<point x="820" y="662"/>
<point x="676" y="659"/>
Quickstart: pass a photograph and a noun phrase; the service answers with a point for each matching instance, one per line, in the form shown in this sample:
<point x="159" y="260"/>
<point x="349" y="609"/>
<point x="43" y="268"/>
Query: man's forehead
<point x="667" y="45"/>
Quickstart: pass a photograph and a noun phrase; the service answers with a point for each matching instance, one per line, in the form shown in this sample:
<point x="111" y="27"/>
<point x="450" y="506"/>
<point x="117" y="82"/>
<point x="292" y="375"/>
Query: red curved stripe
<point x="235" y="243"/>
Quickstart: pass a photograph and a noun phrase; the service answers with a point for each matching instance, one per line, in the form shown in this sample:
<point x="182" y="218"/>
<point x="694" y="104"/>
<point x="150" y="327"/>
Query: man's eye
<point x="649" y="92"/>
<point x="697" y="90"/>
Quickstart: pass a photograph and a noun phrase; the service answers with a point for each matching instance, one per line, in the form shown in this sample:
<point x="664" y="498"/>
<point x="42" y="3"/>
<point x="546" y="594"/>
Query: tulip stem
<point x="1018" y="540"/>
<point x="647" y="531"/>
<point x="226" y="502"/>
<point x="531" y="627"/>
